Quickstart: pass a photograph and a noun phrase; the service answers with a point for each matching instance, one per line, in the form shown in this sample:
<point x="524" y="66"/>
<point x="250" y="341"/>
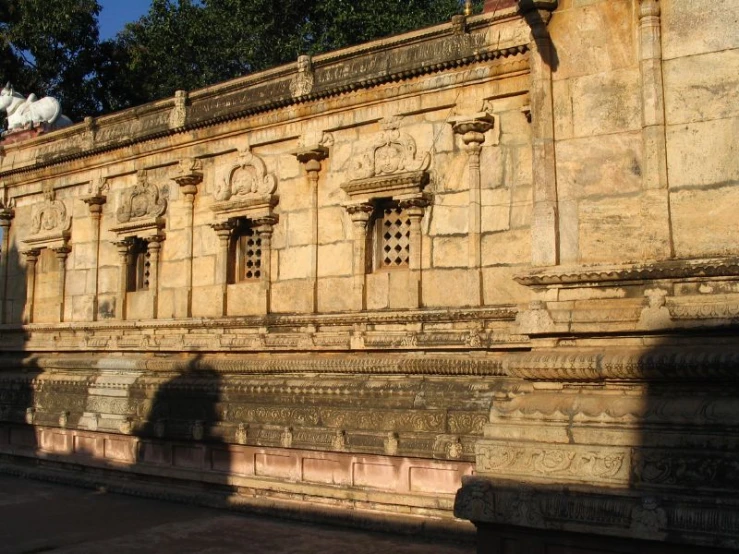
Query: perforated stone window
<point x="392" y="232"/>
<point x="139" y="271"/>
<point x="246" y="255"/>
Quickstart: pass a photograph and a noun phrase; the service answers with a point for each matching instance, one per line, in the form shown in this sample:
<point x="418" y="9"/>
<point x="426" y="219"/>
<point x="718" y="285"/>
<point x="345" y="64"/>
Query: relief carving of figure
<point x="50" y="216"/>
<point x="143" y="200"/>
<point x="302" y="83"/>
<point x="391" y="152"/>
<point x="248" y="177"/>
<point x="27" y="112"/>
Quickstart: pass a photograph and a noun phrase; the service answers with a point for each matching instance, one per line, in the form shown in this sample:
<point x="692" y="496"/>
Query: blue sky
<point x="116" y="13"/>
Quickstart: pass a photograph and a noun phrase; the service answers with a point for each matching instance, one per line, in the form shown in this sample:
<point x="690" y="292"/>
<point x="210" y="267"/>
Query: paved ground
<point x="39" y="517"/>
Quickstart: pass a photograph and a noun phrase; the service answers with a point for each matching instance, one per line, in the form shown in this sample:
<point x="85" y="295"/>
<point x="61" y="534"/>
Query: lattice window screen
<point x="394" y="231"/>
<point x="249" y="261"/>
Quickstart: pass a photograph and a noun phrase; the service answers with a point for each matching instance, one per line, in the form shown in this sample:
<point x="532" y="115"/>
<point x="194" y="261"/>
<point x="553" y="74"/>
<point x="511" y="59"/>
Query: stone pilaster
<point x="95" y="204"/>
<point x="153" y="247"/>
<point x="360" y="215"/>
<point x="311" y="159"/>
<point x="62" y="253"/>
<point x="31" y="260"/>
<point x="656" y="204"/>
<point x="264" y="228"/>
<point x="124" y="251"/>
<point x="472" y="129"/>
<point x="415" y="209"/>
<point x="545" y="221"/>
<point x="6" y="217"/>
<point x="224" y="231"/>
<point x="189" y="177"/>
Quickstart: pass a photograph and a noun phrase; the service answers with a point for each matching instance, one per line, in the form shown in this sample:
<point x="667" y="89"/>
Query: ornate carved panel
<point x="141" y="207"/>
<point x="248" y="189"/>
<point x="50" y="223"/>
<point x="388" y="165"/>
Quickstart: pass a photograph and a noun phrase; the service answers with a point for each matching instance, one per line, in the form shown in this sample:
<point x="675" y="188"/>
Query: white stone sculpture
<point x="24" y="112"/>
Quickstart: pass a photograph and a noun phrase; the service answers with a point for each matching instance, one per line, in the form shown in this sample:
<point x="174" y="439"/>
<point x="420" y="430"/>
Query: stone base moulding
<point x="391" y="485"/>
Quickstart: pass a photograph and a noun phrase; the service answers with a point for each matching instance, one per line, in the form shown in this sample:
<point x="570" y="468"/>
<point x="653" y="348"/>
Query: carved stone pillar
<point x="415" y="209"/>
<point x="124" y="251"/>
<point x="95" y="204"/>
<point x="6" y="217"/>
<point x="545" y="221"/>
<point x="31" y="259"/>
<point x="189" y="177"/>
<point x="224" y="231"/>
<point x="360" y="214"/>
<point x="264" y="228"/>
<point x="311" y="158"/>
<point x="472" y="130"/>
<point x="656" y="209"/>
<point x="153" y="247"/>
<point x="61" y="255"/>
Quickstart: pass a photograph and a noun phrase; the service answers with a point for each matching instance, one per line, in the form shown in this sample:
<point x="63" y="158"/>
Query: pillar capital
<point x="32" y="255"/>
<point x="360" y="213"/>
<point x="189" y="176"/>
<point x="95" y="203"/>
<point x="62" y="252"/>
<point x="472" y="128"/>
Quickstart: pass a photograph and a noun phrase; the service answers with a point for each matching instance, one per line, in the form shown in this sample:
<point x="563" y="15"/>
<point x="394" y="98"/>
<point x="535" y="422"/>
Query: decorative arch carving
<point x="390" y="153"/>
<point x="247" y="179"/>
<point x="50" y="222"/>
<point x="142" y="201"/>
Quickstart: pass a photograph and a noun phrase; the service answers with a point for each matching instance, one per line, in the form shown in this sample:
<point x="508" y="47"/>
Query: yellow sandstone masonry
<point x="482" y="272"/>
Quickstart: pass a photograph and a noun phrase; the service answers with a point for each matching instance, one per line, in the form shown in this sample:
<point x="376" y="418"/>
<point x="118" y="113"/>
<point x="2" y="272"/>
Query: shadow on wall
<point x="650" y="465"/>
<point x="537" y="20"/>
<point x="184" y="410"/>
<point x="164" y="420"/>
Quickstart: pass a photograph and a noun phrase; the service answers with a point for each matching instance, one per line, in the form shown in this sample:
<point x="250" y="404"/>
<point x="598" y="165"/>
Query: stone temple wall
<point x="486" y="270"/>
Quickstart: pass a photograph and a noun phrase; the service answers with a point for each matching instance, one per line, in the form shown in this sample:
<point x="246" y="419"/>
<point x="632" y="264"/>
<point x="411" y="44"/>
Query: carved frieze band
<point x="554" y="462"/>
<point x="652" y="517"/>
<point x="683" y="269"/>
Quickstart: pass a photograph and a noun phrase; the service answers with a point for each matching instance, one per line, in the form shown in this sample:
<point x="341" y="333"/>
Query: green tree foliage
<point x="183" y="44"/>
<point x="187" y="44"/>
<point x="52" y="48"/>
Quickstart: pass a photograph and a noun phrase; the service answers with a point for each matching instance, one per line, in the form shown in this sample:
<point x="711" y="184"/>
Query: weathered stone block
<point x="299" y="228"/>
<point x="450" y="251"/>
<point x="333" y="225"/>
<point x="694" y="94"/>
<point x="378" y="289"/>
<point x="296" y="263"/>
<point x="247" y="298"/>
<point x="450" y="287"/>
<point x="609" y="164"/>
<point x="508" y="247"/>
<point x="336" y="294"/>
<point x="294" y="296"/>
<point x="686" y="153"/>
<point x="699" y="26"/>
<point x="335" y="259"/>
<point x="707" y="210"/>
<point x="611" y="226"/>
<point x="606" y="103"/>
<point x="207" y="301"/>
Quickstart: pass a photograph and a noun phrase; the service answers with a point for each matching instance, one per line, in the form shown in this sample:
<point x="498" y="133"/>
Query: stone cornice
<point x="608" y="274"/>
<point x="501" y="313"/>
<point x="365" y="364"/>
<point x="399" y="58"/>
